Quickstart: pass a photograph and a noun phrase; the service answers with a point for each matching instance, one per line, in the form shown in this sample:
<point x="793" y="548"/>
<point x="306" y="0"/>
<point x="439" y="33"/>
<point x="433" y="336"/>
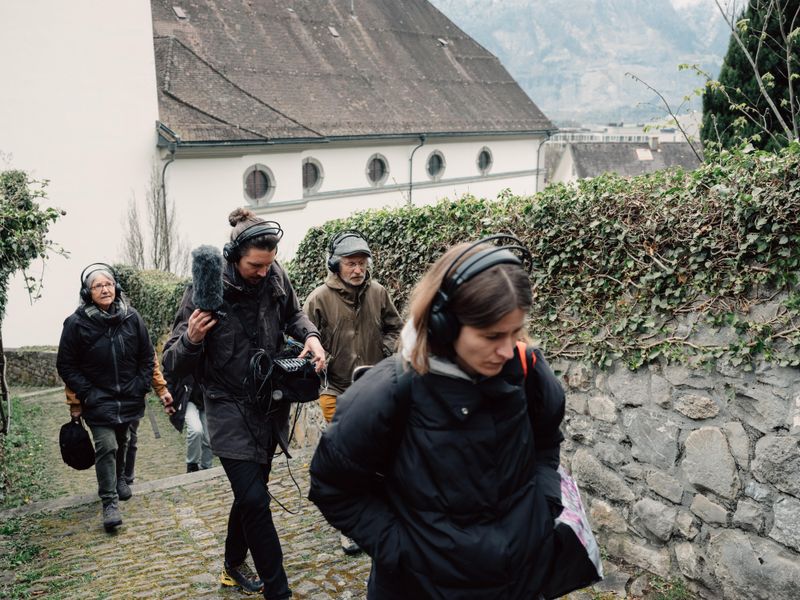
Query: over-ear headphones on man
<point x="443" y="325"/>
<point x="334" y="261"/>
<point x="232" y="250"/>
<point x="86" y="292"/>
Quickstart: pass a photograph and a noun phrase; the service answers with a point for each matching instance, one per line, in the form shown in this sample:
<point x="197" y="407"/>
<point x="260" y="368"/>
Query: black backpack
<point x="76" y="446"/>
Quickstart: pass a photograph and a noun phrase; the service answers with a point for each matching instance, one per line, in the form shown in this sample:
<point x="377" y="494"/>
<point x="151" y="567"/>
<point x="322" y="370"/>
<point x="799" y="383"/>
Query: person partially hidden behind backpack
<point x="190" y="411"/>
<point x="441" y="462"/>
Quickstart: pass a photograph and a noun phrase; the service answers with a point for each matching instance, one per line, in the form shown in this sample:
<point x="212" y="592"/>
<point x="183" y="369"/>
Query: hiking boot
<point x="349" y="547"/>
<point x="123" y="489"/>
<point x="111" y="516"/>
<point x="241" y="577"/>
<point x="192" y="467"/>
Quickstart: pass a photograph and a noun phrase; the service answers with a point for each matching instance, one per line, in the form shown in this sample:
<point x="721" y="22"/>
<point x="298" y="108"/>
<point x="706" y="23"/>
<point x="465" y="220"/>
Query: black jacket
<point x="461" y="512"/>
<point x="108" y="363"/>
<point x="256" y="319"/>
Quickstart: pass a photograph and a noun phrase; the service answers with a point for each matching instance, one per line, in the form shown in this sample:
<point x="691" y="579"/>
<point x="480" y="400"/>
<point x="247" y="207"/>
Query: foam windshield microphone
<point x="207" y="266"/>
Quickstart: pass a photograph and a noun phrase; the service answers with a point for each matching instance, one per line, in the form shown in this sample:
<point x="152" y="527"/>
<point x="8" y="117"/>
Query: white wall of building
<point x="78" y="107"/>
<point x="205" y="190"/>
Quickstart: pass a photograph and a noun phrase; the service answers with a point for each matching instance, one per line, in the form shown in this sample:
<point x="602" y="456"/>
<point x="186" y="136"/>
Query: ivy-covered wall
<point x="616" y="261"/>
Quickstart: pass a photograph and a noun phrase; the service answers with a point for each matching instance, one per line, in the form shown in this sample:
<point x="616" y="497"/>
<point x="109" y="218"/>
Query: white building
<point x="305" y="110"/>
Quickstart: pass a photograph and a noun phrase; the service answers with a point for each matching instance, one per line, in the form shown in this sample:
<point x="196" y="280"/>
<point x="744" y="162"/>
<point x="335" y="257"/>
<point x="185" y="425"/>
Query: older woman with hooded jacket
<point x="105" y="356"/>
<point x="441" y="464"/>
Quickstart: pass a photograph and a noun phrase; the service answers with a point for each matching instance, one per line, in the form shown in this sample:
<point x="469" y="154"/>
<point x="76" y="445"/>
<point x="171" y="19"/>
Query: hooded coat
<point x="359" y="326"/>
<point x="256" y="319"/>
<point x="465" y="504"/>
<point x="107" y="359"/>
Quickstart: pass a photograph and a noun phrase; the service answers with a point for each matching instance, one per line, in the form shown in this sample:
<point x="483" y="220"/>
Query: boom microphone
<point x="207" y="279"/>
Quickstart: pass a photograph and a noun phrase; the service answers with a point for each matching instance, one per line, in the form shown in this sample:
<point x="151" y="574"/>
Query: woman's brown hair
<point x="479" y="302"/>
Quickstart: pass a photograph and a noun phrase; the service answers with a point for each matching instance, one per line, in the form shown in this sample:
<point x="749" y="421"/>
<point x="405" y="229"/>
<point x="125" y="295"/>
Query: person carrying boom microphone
<point x="221" y="337"/>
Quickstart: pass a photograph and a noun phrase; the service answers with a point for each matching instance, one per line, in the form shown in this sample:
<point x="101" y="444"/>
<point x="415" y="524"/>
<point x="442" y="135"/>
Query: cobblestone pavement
<point x="170" y="543"/>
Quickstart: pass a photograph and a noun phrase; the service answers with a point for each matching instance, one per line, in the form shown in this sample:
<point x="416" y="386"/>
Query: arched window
<point x="259" y="184"/>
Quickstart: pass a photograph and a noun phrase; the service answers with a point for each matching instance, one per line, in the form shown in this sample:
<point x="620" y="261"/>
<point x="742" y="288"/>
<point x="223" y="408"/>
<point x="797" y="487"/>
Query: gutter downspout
<point x="422" y="138"/>
<point x="167" y="241"/>
<point x="546" y="139"/>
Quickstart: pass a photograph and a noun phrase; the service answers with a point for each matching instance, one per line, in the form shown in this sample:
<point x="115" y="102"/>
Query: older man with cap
<point x="356" y="317"/>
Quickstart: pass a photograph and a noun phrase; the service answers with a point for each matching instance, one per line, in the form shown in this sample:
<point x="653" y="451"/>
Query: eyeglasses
<point x="101" y="286"/>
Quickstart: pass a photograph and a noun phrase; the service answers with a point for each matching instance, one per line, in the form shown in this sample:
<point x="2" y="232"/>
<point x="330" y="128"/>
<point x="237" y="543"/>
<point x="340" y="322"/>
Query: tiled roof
<point x="629" y="158"/>
<point x="236" y="70"/>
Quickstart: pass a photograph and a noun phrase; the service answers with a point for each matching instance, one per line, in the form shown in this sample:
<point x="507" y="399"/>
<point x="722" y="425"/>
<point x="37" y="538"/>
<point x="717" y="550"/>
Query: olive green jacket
<point x="359" y="326"/>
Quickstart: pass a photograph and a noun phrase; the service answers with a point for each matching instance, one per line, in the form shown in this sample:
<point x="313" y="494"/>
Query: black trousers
<point x="250" y="526"/>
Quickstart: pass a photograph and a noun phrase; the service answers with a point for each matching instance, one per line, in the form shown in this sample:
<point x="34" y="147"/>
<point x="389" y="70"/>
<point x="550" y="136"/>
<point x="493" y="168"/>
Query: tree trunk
<point x="6" y="399"/>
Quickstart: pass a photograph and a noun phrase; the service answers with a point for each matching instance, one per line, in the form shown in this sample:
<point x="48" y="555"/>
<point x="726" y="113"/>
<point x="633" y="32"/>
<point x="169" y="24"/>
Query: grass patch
<point x="22" y="458"/>
<point x="669" y="589"/>
<point x="27" y="568"/>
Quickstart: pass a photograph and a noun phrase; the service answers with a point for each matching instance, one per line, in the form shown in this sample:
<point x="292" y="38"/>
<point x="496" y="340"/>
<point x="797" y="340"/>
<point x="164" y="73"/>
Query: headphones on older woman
<point x="233" y="249"/>
<point x="443" y="324"/>
<point x="86" y="292"/>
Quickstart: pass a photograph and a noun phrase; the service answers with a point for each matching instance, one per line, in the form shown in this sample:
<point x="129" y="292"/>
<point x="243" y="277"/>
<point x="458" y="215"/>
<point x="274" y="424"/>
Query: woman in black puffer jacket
<point x="106" y="357"/>
<point x="443" y="467"/>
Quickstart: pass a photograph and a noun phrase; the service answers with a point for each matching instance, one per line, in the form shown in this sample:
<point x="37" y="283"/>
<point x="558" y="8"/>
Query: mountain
<point x="571" y="57"/>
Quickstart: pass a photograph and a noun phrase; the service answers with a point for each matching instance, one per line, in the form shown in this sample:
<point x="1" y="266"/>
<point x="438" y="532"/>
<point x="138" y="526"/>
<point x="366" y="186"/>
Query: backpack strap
<point x="522" y="350"/>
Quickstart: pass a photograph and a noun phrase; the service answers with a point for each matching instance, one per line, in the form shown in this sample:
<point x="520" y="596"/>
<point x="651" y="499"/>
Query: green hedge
<point x="618" y="262"/>
<point x="156" y="295"/>
<point x="619" y="265"/>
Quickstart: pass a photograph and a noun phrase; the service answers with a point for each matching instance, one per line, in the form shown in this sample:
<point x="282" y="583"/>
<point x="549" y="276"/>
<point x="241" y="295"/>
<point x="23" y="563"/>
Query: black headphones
<point x="443" y="325"/>
<point x="232" y="250"/>
<point x="333" y="261"/>
<point x="86" y="293"/>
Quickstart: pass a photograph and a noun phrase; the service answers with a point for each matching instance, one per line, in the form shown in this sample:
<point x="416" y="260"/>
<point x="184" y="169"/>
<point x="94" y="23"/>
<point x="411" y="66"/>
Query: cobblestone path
<point x="170" y="544"/>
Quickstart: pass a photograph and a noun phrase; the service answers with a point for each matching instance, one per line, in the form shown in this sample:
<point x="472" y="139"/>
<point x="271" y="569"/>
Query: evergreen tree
<point x="756" y="96"/>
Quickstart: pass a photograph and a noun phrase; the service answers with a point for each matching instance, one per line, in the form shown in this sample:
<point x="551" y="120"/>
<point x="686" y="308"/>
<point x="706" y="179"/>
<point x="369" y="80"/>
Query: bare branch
<point x="756" y="73"/>
<point x="669" y="110"/>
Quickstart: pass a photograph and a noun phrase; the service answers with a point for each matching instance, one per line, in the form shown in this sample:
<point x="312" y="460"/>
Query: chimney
<point x="653" y="143"/>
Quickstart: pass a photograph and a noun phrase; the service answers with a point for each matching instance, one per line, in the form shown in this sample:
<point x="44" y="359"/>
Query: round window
<point x="436" y="165"/>
<point x="377" y="169"/>
<point x="484" y="161"/>
<point x="259" y="184"/>
<point x="312" y="175"/>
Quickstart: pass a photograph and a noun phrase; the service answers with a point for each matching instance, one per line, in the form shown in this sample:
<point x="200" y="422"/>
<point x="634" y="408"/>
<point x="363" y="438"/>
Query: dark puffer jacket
<point x="257" y="317"/>
<point x="108" y="362"/>
<point x="462" y="511"/>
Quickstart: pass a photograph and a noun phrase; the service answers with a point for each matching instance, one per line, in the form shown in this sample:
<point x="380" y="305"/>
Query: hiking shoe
<point x="123" y="489"/>
<point x="349" y="547"/>
<point x="241" y="577"/>
<point x="192" y="467"/>
<point x="111" y="517"/>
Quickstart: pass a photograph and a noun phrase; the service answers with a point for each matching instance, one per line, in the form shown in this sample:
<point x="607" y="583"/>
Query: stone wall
<point x="690" y="472"/>
<point x="26" y="367"/>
